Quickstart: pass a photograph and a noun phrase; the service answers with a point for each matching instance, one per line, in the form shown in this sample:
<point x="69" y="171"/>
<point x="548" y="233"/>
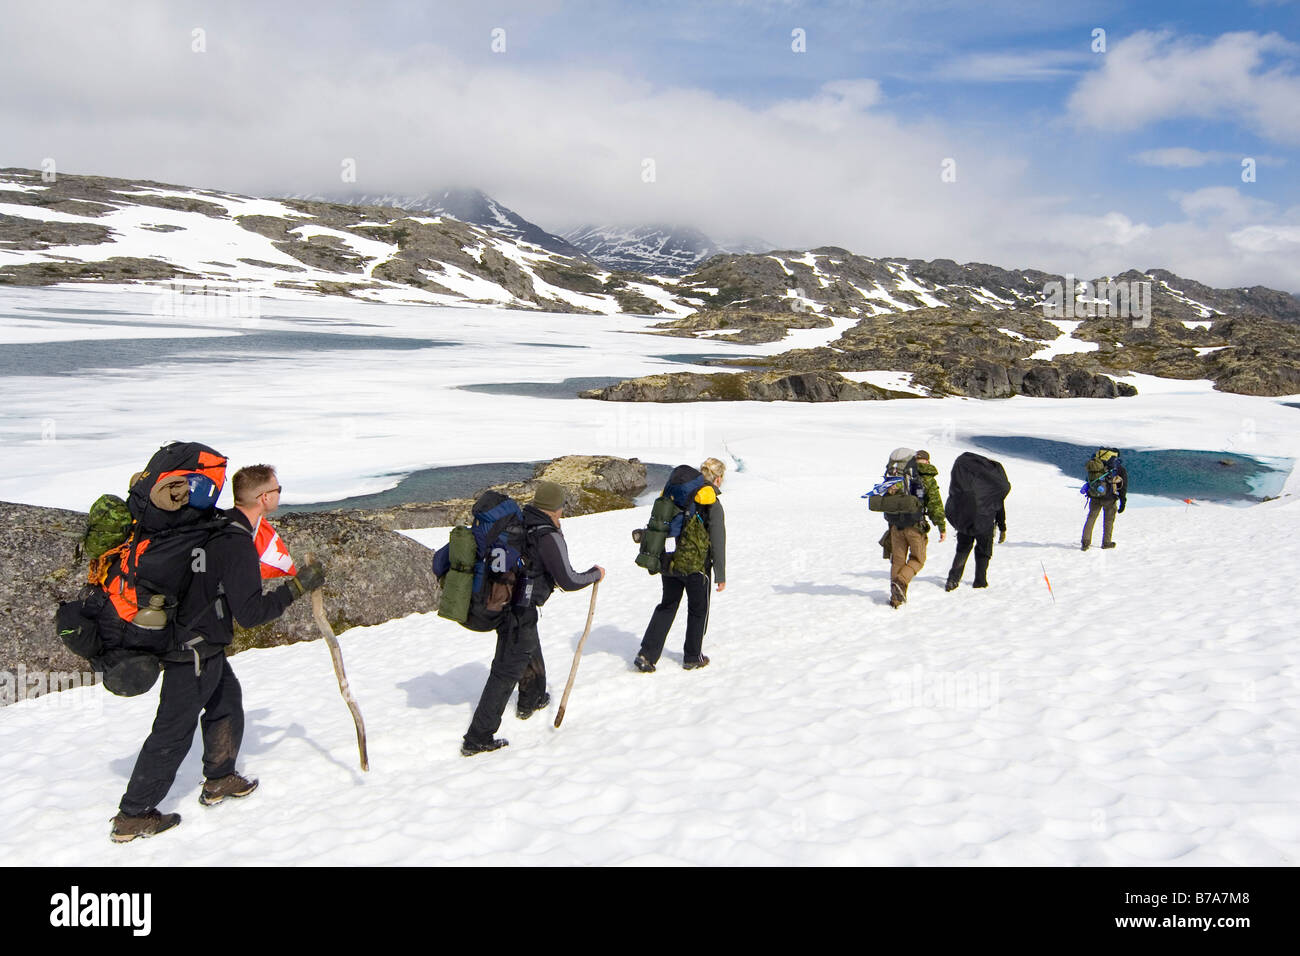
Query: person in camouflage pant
<point x="909" y="533"/>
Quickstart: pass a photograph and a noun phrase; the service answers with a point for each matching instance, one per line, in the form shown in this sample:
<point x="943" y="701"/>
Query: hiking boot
<point x="1108" y="544"/>
<point x="127" y="828"/>
<point x="643" y="665"/>
<point x="897" y="595"/>
<point x="231" y="785"/>
<point x="1085" y="546"/>
<point x="523" y="713"/>
<point x="980" y="584"/>
<point x="471" y="747"/>
<point x="953" y="585"/>
<point x="696" y="664"/>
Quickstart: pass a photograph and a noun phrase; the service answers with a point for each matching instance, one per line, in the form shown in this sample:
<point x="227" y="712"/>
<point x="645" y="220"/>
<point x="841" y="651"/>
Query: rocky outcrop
<point x="372" y="575"/>
<point x="592" y="483"/>
<point x="22" y="233"/>
<point x="747" y="327"/>
<point x="40" y="551"/>
<point x="773" y="386"/>
<point x="118" y="269"/>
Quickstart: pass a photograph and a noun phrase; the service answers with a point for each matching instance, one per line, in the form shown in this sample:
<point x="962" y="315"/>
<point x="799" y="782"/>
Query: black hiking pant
<point x="518" y="660"/>
<point x="216" y="694"/>
<point x="983" y="545"/>
<point x="696" y="587"/>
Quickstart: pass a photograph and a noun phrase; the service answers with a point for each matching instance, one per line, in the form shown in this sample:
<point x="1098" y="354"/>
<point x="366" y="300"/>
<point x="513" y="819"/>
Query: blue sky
<point x="1066" y="158"/>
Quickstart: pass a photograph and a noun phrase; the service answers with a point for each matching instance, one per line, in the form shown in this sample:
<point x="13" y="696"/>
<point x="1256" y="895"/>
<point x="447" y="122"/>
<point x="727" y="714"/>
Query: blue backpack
<point x="481" y="566"/>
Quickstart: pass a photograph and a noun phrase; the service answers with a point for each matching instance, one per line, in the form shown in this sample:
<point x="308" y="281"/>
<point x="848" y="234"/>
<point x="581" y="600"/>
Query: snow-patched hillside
<point x="1148" y="714"/>
<point x="86" y="228"/>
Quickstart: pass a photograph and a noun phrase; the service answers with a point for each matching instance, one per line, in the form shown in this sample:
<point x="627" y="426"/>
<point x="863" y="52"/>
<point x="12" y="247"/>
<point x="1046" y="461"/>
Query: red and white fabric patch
<point x="274" y="556"/>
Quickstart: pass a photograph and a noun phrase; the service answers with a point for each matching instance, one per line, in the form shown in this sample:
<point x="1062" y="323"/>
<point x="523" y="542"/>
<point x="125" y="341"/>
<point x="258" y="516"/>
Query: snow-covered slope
<point x="1148" y="713"/>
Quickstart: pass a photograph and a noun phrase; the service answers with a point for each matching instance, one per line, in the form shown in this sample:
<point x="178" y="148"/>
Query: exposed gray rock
<point x="774" y="386"/>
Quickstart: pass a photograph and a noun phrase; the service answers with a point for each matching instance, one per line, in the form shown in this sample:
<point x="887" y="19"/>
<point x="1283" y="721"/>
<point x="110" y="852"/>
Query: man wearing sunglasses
<point x="226" y="587"/>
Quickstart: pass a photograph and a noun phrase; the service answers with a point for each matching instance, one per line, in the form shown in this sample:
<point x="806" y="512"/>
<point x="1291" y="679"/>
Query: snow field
<point x="1137" y="720"/>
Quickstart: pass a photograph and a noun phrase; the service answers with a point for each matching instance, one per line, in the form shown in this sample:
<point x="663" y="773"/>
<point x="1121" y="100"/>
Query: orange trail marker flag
<point x="1048" y="581"/>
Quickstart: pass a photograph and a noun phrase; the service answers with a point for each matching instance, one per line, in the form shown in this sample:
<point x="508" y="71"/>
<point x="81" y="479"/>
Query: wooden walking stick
<point x="577" y="656"/>
<point x="327" y="632"/>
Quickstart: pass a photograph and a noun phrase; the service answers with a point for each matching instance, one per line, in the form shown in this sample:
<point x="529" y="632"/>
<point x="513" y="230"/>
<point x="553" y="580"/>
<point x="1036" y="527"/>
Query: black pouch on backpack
<point x="79" y="633"/>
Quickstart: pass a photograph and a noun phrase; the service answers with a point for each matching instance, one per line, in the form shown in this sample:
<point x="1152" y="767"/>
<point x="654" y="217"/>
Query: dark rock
<point x="768" y="386"/>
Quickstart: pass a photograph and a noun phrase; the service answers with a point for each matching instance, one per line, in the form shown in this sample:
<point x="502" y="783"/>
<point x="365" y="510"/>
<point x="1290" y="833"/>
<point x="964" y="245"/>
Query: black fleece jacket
<point x="227" y="587"/>
<point x="553" y="552"/>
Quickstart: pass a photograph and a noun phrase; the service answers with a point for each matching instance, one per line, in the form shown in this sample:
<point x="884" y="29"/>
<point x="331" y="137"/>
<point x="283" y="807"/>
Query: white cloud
<point x="1151" y="77"/>
<point x="1181" y="157"/>
<point x="1224" y="204"/>
<point x="1014" y="66"/>
<point x="1267" y="240"/>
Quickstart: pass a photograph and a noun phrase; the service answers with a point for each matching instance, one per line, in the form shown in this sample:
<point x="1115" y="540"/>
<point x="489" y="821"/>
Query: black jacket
<point x="227" y="587"/>
<point x="549" y="565"/>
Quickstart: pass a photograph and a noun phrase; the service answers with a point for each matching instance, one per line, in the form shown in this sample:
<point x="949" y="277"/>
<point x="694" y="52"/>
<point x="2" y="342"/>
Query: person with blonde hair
<point x="701" y="552"/>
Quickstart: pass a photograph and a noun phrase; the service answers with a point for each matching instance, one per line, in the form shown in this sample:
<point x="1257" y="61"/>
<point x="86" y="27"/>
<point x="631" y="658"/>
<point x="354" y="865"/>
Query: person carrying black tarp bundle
<point x="977" y="493"/>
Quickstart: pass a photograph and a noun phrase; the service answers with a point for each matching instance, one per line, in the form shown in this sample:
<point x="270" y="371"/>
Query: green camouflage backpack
<point x="108" y="526"/>
<point x="692" y="547"/>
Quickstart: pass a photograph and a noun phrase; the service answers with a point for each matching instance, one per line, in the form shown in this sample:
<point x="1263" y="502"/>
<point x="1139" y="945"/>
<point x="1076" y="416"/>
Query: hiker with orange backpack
<point x="179" y="490"/>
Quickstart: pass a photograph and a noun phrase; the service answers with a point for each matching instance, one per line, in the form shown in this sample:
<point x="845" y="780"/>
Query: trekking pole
<point x="577" y="656"/>
<point x="327" y="632"/>
<point x="1048" y="581"/>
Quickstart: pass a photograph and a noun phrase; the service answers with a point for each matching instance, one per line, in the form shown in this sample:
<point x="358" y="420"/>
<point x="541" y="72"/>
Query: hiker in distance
<point x="701" y="551"/>
<point x="518" y="658"/>
<point x="911" y="479"/>
<point x="197" y="679"/>
<point x="1107" y="494"/>
<point x="977" y="493"/>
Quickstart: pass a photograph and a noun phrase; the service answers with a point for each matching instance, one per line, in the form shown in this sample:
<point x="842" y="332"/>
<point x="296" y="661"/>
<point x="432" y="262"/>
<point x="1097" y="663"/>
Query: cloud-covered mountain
<point x="654" y="249"/>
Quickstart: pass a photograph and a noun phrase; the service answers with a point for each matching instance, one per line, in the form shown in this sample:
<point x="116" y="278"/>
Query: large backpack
<point x="1104" y="479"/>
<point x="130" y="613"/>
<point x="901" y="490"/>
<point x="675" y="514"/>
<point x="483" y="565"/>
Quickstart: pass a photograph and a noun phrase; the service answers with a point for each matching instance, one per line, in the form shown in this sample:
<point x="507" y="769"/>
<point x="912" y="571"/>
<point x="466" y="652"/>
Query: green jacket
<point x="933" y="501"/>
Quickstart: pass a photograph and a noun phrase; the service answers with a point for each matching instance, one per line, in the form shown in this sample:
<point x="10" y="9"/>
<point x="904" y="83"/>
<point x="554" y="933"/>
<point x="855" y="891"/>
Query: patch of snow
<point x="894" y="381"/>
<point x="1067" y="344"/>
